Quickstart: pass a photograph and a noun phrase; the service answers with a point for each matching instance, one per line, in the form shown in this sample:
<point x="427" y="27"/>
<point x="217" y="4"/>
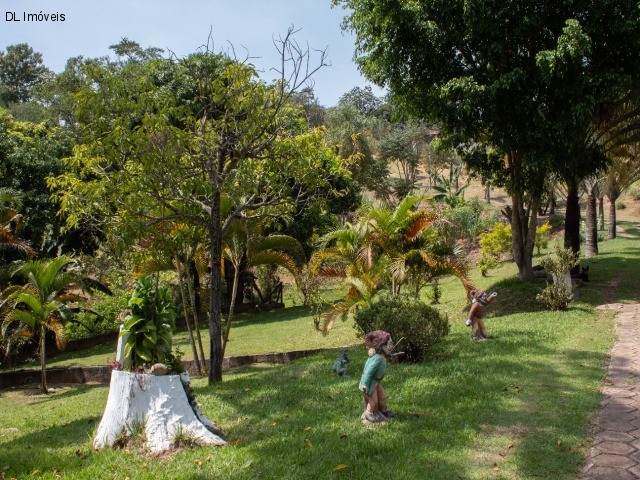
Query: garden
<point x="223" y="246"/>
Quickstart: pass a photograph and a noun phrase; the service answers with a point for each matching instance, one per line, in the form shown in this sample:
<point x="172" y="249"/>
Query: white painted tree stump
<point x="158" y="403"/>
<point x="564" y="279"/>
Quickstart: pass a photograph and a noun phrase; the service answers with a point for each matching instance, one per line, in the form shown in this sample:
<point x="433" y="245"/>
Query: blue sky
<point x="90" y="26"/>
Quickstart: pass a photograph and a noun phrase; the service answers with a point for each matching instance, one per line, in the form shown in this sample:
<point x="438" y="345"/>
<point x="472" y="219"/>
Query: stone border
<point x="102" y="373"/>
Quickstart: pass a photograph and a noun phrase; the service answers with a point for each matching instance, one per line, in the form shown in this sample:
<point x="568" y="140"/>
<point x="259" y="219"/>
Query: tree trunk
<point x="612" y="218"/>
<point x="215" y="295"/>
<point x="572" y="219"/>
<point x="601" y="213"/>
<point x="523" y="233"/>
<point x="591" y="225"/>
<point x="159" y="407"/>
<point x="552" y="200"/>
<point x="192" y="297"/>
<point x="43" y="361"/>
<point x="487" y="194"/>
<point x="234" y="291"/>
<point x="185" y="307"/>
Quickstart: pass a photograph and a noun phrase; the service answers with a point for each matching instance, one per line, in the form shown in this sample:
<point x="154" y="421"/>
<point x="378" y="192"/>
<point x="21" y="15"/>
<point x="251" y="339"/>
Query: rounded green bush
<point x="420" y="325"/>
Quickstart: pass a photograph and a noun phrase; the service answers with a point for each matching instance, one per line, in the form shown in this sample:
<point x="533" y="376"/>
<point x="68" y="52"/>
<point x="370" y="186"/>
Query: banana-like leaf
<point x="144" y="353"/>
<point x="133" y="320"/>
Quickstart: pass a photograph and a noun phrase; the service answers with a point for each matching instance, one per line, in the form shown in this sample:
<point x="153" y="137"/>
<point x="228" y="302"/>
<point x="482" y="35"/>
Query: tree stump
<point x="160" y="405"/>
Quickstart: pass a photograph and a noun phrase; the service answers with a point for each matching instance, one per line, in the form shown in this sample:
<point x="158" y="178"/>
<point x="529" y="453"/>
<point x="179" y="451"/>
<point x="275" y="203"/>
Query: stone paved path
<point x="615" y="454"/>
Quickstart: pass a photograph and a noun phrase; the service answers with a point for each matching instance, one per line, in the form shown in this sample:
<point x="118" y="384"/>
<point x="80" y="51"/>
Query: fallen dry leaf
<point x="342" y="466"/>
<point x="510" y="446"/>
<point x="308" y="429"/>
<point x="273" y="424"/>
<point x="308" y="443"/>
<point x="559" y="442"/>
<point x="343" y="436"/>
<point x="247" y="389"/>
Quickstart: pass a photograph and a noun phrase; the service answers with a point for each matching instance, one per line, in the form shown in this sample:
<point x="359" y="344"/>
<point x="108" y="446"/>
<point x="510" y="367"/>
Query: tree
<point x="619" y="133"/>
<point x="386" y="248"/>
<point x="30" y="153"/>
<point x="363" y="100"/>
<point x="306" y="99"/>
<point x="20" y="70"/>
<point x="188" y="132"/>
<point x="350" y="133"/>
<point x="246" y="247"/>
<point x="623" y="172"/>
<point x="592" y="188"/>
<point x="404" y="146"/>
<point x="43" y="304"/>
<point x="525" y="77"/>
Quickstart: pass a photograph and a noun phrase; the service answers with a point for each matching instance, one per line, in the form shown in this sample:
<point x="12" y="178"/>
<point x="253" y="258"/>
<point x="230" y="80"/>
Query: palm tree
<point x="47" y="300"/>
<point x="623" y="172"/>
<point x="386" y="248"/>
<point x="246" y="247"/>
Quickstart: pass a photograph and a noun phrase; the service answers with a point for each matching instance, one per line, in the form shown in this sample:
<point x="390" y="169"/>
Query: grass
<point x="516" y="407"/>
<point x="278" y="330"/>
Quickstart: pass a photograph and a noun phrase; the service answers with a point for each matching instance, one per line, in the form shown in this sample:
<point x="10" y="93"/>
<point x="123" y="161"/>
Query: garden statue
<point x="340" y="363"/>
<point x="380" y="347"/>
<point x="479" y="300"/>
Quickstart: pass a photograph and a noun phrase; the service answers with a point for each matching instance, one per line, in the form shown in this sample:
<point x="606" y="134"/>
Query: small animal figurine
<point x="340" y="363"/>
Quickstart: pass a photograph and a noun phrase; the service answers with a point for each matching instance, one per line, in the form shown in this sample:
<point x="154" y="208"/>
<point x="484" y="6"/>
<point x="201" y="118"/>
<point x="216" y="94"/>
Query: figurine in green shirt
<point x="375" y="400"/>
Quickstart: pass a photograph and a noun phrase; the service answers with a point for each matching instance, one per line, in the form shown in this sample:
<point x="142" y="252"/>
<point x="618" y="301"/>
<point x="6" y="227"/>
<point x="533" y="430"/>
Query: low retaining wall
<point x="102" y="373"/>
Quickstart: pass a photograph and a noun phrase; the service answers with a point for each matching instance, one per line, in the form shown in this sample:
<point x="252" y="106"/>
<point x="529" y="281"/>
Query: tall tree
<point x="189" y="131"/>
<point x="525" y="77"/>
<point x="20" y="70"/>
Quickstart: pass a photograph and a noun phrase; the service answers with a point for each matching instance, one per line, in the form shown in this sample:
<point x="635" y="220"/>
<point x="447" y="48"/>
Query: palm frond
<point x="284" y="243"/>
<point x="57" y="328"/>
<point x="21" y="316"/>
<point x="280" y="259"/>
<point x="424" y="219"/>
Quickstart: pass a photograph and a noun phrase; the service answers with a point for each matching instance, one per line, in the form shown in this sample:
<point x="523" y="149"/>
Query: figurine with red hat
<point x="380" y="347"/>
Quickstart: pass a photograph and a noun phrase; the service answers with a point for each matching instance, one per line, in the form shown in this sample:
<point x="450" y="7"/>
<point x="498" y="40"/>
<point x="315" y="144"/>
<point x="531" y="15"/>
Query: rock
<point x="158" y="369"/>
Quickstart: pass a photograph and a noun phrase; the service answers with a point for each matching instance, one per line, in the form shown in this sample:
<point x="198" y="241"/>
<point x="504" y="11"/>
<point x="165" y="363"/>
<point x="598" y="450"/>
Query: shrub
<point x="542" y="236"/>
<point x="486" y="263"/>
<point x="622" y="205"/>
<point x="468" y="220"/>
<point x="497" y="240"/>
<point x="634" y="191"/>
<point x="557" y="295"/>
<point x="420" y="325"/>
<point x="493" y="244"/>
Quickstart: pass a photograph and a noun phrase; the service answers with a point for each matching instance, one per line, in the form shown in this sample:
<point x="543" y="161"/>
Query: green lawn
<point x="272" y="331"/>
<point x="516" y="407"/>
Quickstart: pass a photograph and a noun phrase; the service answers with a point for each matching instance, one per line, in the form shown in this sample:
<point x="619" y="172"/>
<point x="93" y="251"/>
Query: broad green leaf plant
<point x="150" y="324"/>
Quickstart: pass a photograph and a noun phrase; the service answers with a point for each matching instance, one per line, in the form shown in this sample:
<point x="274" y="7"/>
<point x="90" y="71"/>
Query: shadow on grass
<point x="271" y="316"/>
<point x="69" y="391"/>
<point x="443" y="407"/>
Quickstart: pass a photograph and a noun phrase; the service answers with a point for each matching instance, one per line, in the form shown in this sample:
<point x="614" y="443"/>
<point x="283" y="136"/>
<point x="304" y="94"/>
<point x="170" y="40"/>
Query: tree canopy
<point x="525" y="77"/>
